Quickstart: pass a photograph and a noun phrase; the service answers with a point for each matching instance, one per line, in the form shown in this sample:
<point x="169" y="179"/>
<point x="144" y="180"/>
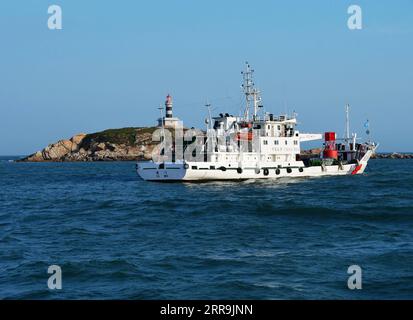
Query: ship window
<point x="265" y="142"/>
<point x="269" y="127"/>
<point x="276" y="142"/>
<point x="194" y="167"/>
<point x="279" y="127"/>
<point x="212" y="167"/>
<point x="295" y="142"/>
<point x="286" y="142"/>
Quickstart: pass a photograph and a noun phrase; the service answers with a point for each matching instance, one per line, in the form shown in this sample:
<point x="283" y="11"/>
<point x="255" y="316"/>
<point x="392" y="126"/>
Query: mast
<point x="347" y="130"/>
<point x="252" y="95"/>
<point x="208" y="105"/>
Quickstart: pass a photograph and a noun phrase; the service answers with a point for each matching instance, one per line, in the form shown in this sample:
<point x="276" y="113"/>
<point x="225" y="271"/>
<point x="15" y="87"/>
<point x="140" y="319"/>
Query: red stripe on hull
<point x="357" y="169"/>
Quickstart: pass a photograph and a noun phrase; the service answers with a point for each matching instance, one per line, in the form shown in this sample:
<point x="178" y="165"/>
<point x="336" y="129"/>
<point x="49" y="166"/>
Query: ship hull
<point x="204" y="171"/>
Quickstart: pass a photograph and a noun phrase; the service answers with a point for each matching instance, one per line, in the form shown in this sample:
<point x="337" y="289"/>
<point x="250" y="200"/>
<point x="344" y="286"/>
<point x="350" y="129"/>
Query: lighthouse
<point x="168" y="121"/>
<point x="168" y="106"/>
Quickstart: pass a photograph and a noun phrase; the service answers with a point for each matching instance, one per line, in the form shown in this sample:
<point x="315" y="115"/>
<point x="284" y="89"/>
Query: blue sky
<point x="114" y="62"/>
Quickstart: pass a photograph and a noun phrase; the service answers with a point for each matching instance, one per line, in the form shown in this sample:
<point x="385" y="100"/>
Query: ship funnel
<point x="330" y="150"/>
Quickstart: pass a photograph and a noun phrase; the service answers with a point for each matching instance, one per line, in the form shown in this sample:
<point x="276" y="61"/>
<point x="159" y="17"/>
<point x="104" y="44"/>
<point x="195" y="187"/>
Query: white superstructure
<point x="257" y="145"/>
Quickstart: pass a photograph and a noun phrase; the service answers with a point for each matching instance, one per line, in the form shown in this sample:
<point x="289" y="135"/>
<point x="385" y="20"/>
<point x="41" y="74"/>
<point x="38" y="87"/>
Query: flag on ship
<point x="367" y="126"/>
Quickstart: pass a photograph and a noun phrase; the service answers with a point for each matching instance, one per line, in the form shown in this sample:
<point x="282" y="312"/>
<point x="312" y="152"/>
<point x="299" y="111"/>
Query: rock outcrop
<point x="312" y="153"/>
<point x="58" y="150"/>
<point x="127" y="144"/>
<point x="393" y="155"/>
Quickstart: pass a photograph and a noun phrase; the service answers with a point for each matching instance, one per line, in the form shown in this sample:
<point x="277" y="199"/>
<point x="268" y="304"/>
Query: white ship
<point x="255" y="145"/>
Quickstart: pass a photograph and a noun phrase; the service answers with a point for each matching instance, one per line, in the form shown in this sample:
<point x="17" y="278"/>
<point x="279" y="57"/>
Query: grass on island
<point x="125" y="136"/>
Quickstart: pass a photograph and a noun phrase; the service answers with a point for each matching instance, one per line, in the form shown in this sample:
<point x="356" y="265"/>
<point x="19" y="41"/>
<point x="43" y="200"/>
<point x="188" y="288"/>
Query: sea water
<point x="116" y="236"/>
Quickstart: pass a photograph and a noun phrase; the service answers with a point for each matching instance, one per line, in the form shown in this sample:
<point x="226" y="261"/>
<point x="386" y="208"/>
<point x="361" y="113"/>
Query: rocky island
<point x="125" y="144"/>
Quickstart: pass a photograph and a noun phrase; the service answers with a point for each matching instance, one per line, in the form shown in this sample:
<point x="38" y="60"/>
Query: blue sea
<point x="117" y="237"/>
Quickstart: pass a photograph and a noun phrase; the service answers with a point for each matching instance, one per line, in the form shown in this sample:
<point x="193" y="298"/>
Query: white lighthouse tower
<point x="168" y="121"/>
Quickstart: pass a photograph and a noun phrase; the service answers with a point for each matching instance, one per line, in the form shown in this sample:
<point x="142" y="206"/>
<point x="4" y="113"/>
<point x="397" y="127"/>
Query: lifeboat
<point x="244" y="136"/>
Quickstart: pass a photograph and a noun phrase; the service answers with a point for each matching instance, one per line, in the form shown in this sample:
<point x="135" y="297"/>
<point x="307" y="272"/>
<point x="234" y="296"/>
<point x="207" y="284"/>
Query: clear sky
<point x="114" y="62"/>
